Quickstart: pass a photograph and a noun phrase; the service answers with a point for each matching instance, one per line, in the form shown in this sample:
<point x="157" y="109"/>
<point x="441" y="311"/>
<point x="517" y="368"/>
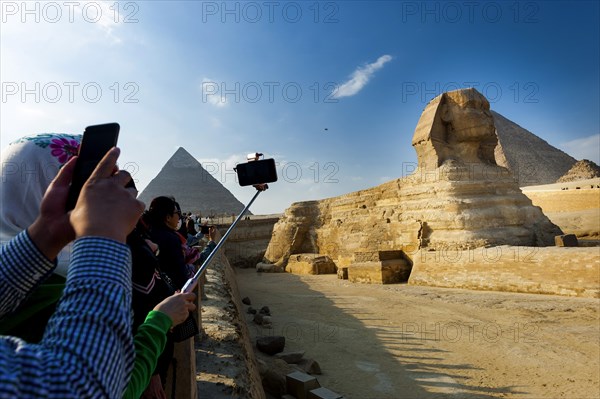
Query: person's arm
<point x="87" y="336"/>
<point x="24" y="266"/>
<point x="213" y="237"/>
<point x="87" y="349"/>
<point x="206" y="251"/>
<point x="150" y="341"/>
<point x="151" y="338"/>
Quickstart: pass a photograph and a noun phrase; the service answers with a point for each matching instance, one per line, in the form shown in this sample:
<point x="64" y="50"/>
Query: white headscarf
<point x="27" y="166"/>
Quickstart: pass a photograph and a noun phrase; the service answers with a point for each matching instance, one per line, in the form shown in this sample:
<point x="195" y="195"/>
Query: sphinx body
<point x="456" y="198"/>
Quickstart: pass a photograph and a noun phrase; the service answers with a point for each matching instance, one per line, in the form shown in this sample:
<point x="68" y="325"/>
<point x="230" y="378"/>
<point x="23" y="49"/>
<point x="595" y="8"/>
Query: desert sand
<point x="400" y="341"/>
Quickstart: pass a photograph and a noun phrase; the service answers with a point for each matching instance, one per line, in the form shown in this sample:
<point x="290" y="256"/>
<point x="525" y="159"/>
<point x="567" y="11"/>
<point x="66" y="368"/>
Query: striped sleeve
<point x="87" y="349"/>
<point x="22" y="268"/>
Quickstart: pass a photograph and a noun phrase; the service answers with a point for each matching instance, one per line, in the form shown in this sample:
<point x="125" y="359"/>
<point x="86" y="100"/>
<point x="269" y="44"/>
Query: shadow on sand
<point x="363" y="355"/>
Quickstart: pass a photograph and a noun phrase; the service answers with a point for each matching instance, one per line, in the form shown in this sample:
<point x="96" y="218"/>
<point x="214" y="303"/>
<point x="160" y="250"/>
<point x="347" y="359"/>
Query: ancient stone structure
<point x="248" y="242"/>
<point x="550" y="270"/>
<point x="530" y="159"/>
<point x="184" y="178"/>
<point x="378" y="267"/>
<point x="457" y="198"/>
<point x="310" y="264"/>
<point x="573" y="206"/>
<point x="582" y="170"/>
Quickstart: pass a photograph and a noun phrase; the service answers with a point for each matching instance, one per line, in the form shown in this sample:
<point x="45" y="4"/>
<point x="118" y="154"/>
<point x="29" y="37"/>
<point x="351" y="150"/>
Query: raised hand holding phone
<point x="256" y="173"/>
<point x="96" y="142"/>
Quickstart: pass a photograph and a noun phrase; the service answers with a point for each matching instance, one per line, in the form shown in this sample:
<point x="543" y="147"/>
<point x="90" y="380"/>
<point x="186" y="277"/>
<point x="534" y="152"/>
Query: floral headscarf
<point x="27" y="167"/>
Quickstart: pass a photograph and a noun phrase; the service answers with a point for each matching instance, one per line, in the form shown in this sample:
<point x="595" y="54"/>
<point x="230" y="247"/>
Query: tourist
<point x="28" y="167"/>
<point x="192" y="240"/>
<point x="163" y="218"/>
<point x="87" y="349"/>
<point x="150" y="342"/>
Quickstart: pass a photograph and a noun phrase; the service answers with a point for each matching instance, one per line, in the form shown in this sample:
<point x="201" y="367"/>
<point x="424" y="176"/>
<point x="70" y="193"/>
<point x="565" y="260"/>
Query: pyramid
<point x="532" y="160"/>
<point x="582" y="170"/>
<point x="192" y="186"/>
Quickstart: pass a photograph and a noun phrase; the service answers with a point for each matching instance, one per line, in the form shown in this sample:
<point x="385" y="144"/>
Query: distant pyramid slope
<point x="532" y="160"/>
<point x="192" y="186"/>
<point x="582" y="170"/>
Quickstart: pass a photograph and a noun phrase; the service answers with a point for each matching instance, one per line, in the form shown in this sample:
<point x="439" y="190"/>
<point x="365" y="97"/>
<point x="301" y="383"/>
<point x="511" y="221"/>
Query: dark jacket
<point x="170" y="254"/>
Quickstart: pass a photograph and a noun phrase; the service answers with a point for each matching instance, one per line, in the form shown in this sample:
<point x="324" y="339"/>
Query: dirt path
<point x="400" y="341"/>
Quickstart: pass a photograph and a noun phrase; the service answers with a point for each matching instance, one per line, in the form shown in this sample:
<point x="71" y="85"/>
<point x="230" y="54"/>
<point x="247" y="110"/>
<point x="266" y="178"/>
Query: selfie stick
<point x="191" y="283"/>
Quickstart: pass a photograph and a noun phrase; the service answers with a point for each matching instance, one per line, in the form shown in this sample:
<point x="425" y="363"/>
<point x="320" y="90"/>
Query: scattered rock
<point x="290" y="357"/>
<point x="267" y="320"/>
<point x="310" y="366"/>
<point x="262" y="366"/>
<point x="258" y="319"/>
<point x="246" y="301"/>
<point x="265" y="310"/>
<point x="251" y="310"/>
<point x="268" y="268"/>
<point x="566" y="240"/>
<point x="273" y="379"/>
<point x="270" y="345"/>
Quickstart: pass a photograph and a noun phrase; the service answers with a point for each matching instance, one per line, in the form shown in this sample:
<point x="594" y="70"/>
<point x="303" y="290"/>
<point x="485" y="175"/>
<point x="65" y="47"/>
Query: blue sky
<point x="331" y="90"/>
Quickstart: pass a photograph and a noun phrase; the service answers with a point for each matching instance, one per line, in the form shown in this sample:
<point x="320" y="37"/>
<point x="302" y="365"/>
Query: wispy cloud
<point x="584" y="148"/>
<point x="360" y="78"/>
<point x="211" y="93"/>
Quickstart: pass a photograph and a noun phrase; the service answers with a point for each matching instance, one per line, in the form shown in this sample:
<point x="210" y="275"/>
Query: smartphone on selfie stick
<point x="256" y="172"/>
<point x="96" y="142"/>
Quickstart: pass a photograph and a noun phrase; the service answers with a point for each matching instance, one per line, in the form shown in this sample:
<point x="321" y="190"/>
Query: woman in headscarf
<point x="27" y="167"/>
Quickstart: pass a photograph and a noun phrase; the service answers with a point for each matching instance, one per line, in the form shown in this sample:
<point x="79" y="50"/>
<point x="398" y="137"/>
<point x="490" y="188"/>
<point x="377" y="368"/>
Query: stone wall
<point x="550" y="270"/>
<point x="248" y="242"/>
<point x="573" y="206"/>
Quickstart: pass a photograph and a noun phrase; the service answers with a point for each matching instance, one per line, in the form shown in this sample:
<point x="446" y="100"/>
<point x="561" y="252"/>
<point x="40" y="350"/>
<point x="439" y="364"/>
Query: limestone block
<point x="310" y="264"/>
<point x="375" y="256"/>
<point x="323" y="393"/>
<point x="566" y="240"/>
<point x="299" y="384"/>
<point x="382" y="272"/>
<point x="342" y="273"/>
<point x="549" y="270"/>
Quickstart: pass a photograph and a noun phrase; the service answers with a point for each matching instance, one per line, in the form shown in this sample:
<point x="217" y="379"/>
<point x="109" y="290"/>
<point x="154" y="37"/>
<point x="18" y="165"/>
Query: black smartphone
<point x="96" y="142"/>
<point x="256" y="172"/>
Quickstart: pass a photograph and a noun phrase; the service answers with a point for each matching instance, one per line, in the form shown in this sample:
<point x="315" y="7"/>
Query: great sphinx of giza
<point x="457" y="198"/>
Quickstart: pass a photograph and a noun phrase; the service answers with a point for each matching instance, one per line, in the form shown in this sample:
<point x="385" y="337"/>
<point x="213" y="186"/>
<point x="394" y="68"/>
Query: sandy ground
<point x="400" y="341"/>
<point x="220" y="355"/>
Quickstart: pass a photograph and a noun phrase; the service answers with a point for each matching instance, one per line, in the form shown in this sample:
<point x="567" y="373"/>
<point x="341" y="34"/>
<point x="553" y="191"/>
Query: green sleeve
<point x="150" y="341"/>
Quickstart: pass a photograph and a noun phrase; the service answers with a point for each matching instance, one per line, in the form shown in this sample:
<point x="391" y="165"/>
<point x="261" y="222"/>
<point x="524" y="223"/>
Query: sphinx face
<point x="471" y="122"/>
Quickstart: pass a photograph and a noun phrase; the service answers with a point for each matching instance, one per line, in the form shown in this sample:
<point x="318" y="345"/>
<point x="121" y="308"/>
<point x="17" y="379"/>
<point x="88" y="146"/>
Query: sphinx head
<point x="458" y="126"/>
